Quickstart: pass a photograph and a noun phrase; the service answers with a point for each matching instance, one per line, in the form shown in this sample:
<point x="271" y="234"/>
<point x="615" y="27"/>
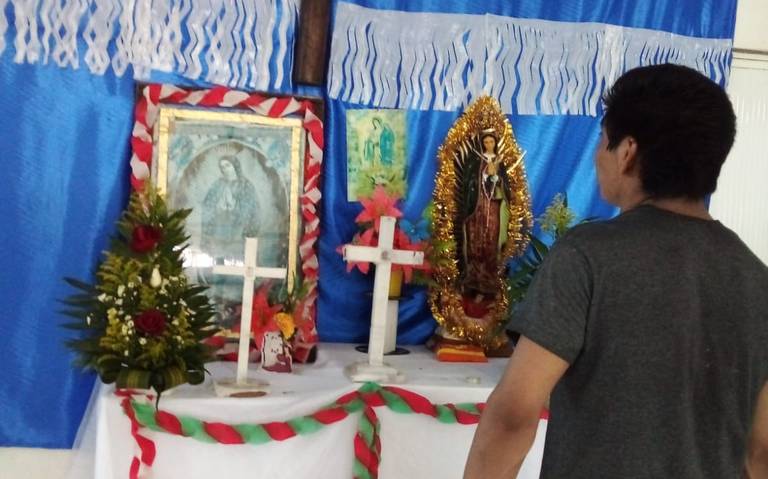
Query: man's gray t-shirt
<point x="664" y="321"/>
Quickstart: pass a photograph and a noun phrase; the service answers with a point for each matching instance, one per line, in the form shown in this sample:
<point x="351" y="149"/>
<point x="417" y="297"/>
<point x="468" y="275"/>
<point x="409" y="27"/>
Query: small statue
<point x="276" y="353"/>
<point x="482" y="212"/>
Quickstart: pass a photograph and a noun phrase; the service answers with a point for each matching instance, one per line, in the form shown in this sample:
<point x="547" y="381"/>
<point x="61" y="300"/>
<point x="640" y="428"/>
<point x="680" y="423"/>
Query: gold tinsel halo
<point x="446" y="296"/>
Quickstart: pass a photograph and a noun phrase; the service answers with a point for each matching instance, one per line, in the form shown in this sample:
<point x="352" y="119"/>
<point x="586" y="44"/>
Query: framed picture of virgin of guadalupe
<point x="246" y="168"/>
<point x="240" y="174"/>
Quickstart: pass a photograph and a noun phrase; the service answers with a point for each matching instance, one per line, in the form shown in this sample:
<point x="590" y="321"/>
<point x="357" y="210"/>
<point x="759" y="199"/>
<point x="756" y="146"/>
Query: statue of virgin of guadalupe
<point x="481" y="220"/>
<point x="485" y="205"/>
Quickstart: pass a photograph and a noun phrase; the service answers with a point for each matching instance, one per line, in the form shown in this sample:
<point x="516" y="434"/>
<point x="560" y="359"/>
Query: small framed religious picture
<point x="247" y="166"/>
<point x="376" y="152"/>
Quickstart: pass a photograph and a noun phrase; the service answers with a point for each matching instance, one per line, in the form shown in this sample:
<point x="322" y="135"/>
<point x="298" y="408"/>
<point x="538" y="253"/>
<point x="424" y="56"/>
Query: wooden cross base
<point x="248" y="388"/>
<point x="365" y="372"/>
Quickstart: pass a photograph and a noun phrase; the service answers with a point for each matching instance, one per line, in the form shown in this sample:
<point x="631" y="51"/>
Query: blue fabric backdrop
<point x="558" y="159"/>
<point x="64" y="149"/>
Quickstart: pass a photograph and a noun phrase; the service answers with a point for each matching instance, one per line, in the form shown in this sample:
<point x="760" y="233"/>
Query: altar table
<point x="412" y="445"/>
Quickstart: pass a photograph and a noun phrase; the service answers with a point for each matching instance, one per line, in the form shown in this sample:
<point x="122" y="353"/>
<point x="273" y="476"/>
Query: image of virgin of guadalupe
<point x="229" y="210"/>
<point x="484" y="216"/>
<point x="379" y="147"/>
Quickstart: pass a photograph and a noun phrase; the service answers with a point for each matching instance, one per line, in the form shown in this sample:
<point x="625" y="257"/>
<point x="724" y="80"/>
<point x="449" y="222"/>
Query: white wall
<point x="738" y="201"/>
<point x="25" y="463"/>
<point x="751" y="24"/>
<point x="740" y="197"/>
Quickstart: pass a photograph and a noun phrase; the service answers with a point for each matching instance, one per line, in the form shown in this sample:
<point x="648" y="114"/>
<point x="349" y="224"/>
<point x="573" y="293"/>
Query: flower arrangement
<point x="275" y="310"/>
<point x="413" y="236"/>
<point x="143" y="324"/>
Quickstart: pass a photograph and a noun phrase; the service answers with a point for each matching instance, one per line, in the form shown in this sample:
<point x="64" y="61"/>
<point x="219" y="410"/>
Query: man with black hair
<point x="650" y="330"/>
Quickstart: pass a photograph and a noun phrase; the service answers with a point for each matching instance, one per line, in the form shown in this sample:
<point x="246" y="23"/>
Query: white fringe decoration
<point x="435" y="61"/>
<point x="228" y="42"/>
<point x="3" y="24"/>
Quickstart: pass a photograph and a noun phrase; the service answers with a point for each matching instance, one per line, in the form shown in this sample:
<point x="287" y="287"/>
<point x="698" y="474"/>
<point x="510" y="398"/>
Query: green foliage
<point x="557" y="218"/>
<point x="142" y="324"/>
<point x="556" y="221"/>
<point x="279" y="294"/>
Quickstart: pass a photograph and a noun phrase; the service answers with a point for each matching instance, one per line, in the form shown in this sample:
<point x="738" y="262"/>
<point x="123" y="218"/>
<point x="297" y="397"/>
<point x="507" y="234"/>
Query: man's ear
<point x="627" y="154"/>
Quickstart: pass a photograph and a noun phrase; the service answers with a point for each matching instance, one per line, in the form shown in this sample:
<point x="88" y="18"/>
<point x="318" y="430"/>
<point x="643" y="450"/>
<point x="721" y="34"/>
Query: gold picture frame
<point x="241" y="173"/>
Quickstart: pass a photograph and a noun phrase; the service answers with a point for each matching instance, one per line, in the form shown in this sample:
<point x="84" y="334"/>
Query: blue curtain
<point x="64" y="147"/>
<point x="64" y="150"/>
<point x="559" y="151"/>
<point x="65" y="165"/>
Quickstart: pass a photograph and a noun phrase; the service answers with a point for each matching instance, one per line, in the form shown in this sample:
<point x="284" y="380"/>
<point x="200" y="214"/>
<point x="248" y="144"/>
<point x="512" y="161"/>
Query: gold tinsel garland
<point x="446" y="297"/>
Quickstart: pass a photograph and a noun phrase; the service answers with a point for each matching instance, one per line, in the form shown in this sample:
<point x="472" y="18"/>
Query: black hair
<point x="683" y="123"/>
<point x="485" y="135"/>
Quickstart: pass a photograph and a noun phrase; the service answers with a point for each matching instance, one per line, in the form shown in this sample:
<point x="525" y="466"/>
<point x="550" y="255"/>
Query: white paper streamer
<point x="228" y="42"/>
<point x="97" y="34"/>
<point x="437" y="61"/>
<point x="3" y="24"/>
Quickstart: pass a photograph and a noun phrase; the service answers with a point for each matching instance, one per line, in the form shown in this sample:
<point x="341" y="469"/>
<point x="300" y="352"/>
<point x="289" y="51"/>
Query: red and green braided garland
<point x="367" y="442"/>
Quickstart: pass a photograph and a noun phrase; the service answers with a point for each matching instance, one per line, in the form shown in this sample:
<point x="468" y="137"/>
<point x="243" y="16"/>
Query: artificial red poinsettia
<point x="366" y="238"/>
<point x="379" y="204"/>
<point x="403" y="242"/>
<point x="263" y="314"/>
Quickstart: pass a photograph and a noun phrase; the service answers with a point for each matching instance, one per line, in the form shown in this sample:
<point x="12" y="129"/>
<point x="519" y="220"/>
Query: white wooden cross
<point x="249" y="271"/>
<point x="383" y="256"/>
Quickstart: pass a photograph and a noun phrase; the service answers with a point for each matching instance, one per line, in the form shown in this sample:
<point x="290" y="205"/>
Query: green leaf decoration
<point x="141" y="323"/>
<point x="134" y="379"/>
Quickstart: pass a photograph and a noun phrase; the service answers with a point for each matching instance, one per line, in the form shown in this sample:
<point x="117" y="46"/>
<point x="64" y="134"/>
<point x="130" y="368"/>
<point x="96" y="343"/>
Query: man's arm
<point x="508" y="425"/>
<point x="756" y="466"/>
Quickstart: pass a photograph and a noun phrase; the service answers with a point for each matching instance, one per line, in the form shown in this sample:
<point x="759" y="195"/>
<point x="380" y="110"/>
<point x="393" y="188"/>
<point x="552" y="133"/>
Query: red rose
<point x="151" y="322"/>
<point x="145" y="238"/>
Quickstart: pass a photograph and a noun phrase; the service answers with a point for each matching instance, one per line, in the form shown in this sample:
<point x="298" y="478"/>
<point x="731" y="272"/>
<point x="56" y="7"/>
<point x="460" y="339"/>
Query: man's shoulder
<point x="588" y="235"/>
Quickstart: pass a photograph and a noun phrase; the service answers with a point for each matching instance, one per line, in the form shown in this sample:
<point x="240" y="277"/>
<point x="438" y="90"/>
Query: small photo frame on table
<point x="247" y="165"/>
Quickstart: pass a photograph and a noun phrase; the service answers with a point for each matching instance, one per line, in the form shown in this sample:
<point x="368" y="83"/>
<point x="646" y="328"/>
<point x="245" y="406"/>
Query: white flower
<point x="120" y="290"/>
<point x="142" y="341"/>
<point x="129" y="323"/>
<point x="102" y="297"/>
<point x="156" y="280"/>
<point x="124" y="329"/>
<point x="119" y="302"/>
<point x="130" y="284"/>
<point x="125" y="353"/>
<point x="88" y="320"/>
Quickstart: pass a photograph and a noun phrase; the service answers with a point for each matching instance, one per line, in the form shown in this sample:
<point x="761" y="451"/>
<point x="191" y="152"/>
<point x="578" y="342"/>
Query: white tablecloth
<point x="413" y="446"/>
